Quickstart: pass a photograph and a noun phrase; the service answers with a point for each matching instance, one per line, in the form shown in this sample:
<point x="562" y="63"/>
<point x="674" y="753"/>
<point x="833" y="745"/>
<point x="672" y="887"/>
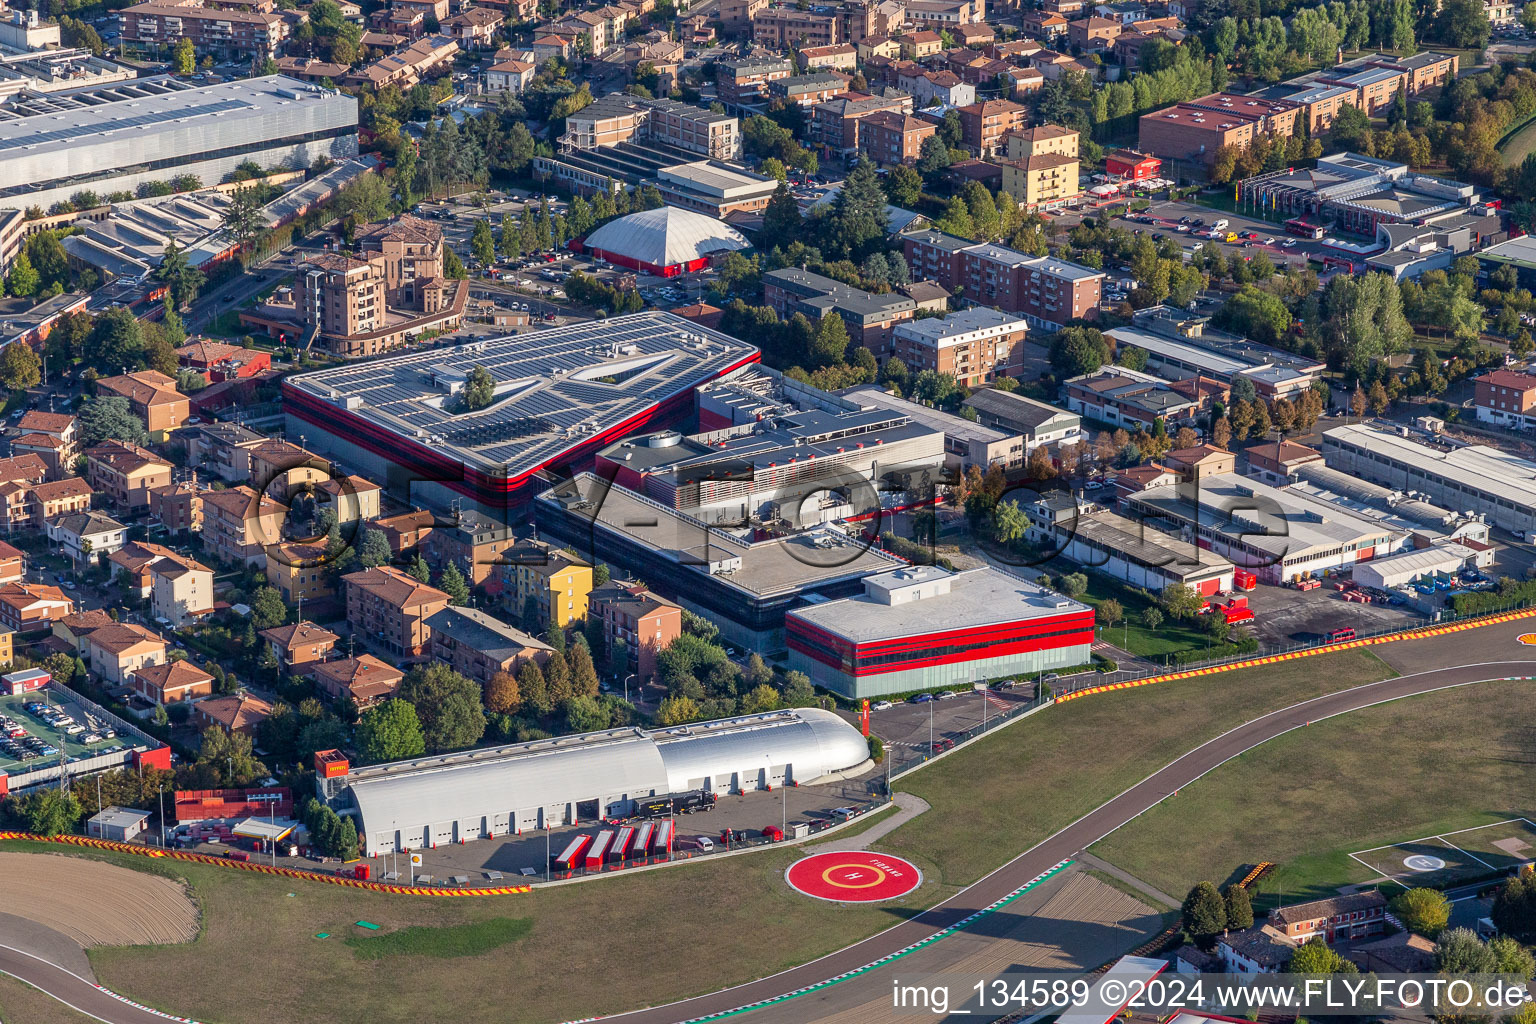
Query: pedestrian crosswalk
<point x="997" y="701"/>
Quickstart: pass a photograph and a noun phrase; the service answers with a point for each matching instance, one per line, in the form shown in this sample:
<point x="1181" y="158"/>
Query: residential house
<point x="151" y="395"/>
<point x="1203" y="460"/>
<point x="51" y="436"/>
<point x="879" y="46"/>
<point x="1278" y="462"/>
<point x="550" y="580"/>
<point x="1043" y="24"/>
<point x="72" y="629"/>
<point x="837" y="57"/>
<point x="1506" y="398"/>
<point x="352" y="498"/>
<point x="172" y="682"/>
<point x="239" y="523"/>
<point x="219" y="362"/>
<point x="636" y="624"/>
<point x="241" y="712"/>
<point x="510" y="76"/>
<point x="888" y="137"/>
<point x="389" y="609"/>
<point x="405" y="531"/>
<point x="299" y="645"/>
<point x="984" y="124"/>
<point x="476" y="544"/>
<point x="365" y="680"/>
<point x="114" y="653"/>
<point x="477" y="645"/>
<point x="126" y="473"/>
<point x="1094" y="34"/>
<point x="86" y="537"/>
<point x="300" y="572"/>
<point x="1335" y="919"/>
<point x="178" y="507"/>
<point x="474" y="28"/>
<point x="29" y="606"/>
<point x="13" y="564"/>
<point x="917" y="45"/>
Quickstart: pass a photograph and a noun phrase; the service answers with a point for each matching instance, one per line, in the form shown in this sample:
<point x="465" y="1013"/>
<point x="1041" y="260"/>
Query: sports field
<point x="1348" y="800"/>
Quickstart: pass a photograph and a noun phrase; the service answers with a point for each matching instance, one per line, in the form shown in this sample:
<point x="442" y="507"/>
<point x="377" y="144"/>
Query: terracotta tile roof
<point x="122" y="637"/>
<point x="173" y="675"/>
<point x="27" y="468"/>
<point x="1521" y="382"/>
<point x="404" y="228"/>
<point x="241" y="502"/>
<point x="237" y="711"/>
<point x="364" y="677"/>
<point x="47" y="422"/>
<point x="1300" y="912"/>
<point x="299" y="634"/>
<point x="58" y="490"/>
<point x="147" y="387"/>
<point x="396" y="588"/>
<point x="37" y="440"/>
<point x="124" y="457"/>
<point x="25" y="595"/>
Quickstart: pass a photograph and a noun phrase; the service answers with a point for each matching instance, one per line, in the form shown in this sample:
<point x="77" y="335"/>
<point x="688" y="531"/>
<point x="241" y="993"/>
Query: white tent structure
<point x="666" y="241"/>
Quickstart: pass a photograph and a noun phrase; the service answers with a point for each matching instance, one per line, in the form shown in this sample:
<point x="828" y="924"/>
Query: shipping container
<point x="599" y="849"/>
<point x="661" y="842"/>
<point x="620" y="848"/>
<point x="642" y="844"/>
<point x="570" y="858"/>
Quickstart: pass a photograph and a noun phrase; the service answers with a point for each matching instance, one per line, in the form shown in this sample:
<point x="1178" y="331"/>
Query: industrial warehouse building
<point x="559" y="394"/>
<point x="494" y="791"/>
<point x="116" y="137"/>
<point x="921" y="626"/>
<point x="1123" y="548"/>
<point x="665" y="241"/>
<point x="1469" y="478"/>
<point x="1279" y="535"/>
<point x="742" y="586"/>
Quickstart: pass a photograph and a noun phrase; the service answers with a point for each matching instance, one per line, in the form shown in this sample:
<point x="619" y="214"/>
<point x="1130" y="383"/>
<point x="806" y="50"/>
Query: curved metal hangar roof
<point x="616" y="764"/>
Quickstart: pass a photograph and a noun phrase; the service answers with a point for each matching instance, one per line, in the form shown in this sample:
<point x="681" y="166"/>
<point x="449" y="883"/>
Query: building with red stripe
<point x="922" y="627"/>
<point x="559" y="395"/>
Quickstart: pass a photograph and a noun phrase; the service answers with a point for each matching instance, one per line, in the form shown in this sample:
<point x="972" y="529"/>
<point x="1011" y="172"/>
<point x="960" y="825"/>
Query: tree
<point x="1180" y="601"/>
<point x="1078" y="350"/>
<point x="116" y="342"/>
<point x="451" y="582"/>
<point x="586" y="714"/>
<point x="244" y="217"/>
<point x="830" y="347"/>
<point x="1110" y="611"/>
<point x="229" y="757"/>
<point x="502" y="694"/>
<point x="1316" y="957"/>
<point x="1514" y="908"/>
<point x="759" y="699"/>
<point x="183" y="58"/>
<point x="419" y="570"/>
<point x="20" y="368"/>
<point x="23" y="281"/>
<point x="557" y="675"/>
<point x="904" y="186"/>
<point x="1460" y="951"/>
<point x="481" y="243"/>
<point x="1239" y="906"/>
<point x="857" y="223"/>
<point x="374" y="550"/>
<point x="584" y="681"/>
<point x="1204" y="911"/>
<point x="1460" y="23"/>
<point x="1422" y="910"/>
<point x="50" y="812"/>
<point x="933" y="159"/>
<point x="390" y="732"/>
<point x="181" y="279"/>
<point x="781" y="220"/>
<point x="677" y="711"/>
<point x="1073" y="584"/>
<point x="1358" y="402"/>
<point x="1512" y="957"/>
<point x="448" y="704"/>
<point x="533" y="689"/>
<point x="267" y="608"/>
<point x="479" y="387"/>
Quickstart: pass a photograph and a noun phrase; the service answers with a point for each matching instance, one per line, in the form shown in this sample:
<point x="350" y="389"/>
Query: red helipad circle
<point x="854" y="877"/>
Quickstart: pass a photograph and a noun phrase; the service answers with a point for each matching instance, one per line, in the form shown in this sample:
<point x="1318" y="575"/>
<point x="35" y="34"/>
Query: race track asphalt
<point x="1065" y="844"/>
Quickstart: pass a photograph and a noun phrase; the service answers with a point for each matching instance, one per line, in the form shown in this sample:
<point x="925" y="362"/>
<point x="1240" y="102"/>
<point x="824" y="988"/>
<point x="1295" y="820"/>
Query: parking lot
<point x="28" y="737"/>
<point x="1284" y="615"/>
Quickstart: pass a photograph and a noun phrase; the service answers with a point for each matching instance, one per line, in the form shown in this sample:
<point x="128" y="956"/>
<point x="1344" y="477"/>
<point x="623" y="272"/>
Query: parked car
<point x="941" y="745"/>
<point x="920" y="698"/>
<point x="880" y="705"/>
<point x="945" y="695"/>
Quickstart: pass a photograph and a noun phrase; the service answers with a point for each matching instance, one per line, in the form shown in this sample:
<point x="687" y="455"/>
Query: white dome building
<point x="665" y="242"/>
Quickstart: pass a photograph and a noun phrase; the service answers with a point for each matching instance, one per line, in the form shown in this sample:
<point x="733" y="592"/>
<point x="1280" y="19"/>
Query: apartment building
<point x="179" y="507"/>
<point x="407" y="530"/>
<point x="86" y="537"/>
<point x="838" y="57"/>
<point x="976" y="345"/>
<point x="1048" y="291"/>
<point x="636" y="625"/>
<point x="126" y="473"/>
<point x="477" y="645"/>
<point x="151" y="395"/>
<point x="550" y="581"/>
<point x="32" y="506"/>
<point x="984" y="124"/>
<point x="406" y="67"/>
<point x="741" y="80"/>
<point x="239" y="523"/>
<point x="1506" y="398"/>
<point x="51" y="436"/>
<point x="25" y="607"/>
<point x="389" y="609"/>
<point x="835" y="124"/>
<point x="946" y="14"/>
<point x="299" y="571"/>
<point x="409" y="250"/>
<point x="476" y="544"/>
<point x="789" y="28"/>
<point x="114" y="653"/>
<point x="1041" y="169"/>
<point x="222" y="34"/>
<point x="180" y="589"/>
<point x="889" y="137"/>
<point x="1094" y="34"/>
<point x="474" y="28"/>
<point x="13" y="564"/>
<point x="806" y="91"/>
<point x="868" y="317"/>
<point x="927" y="87"/>
<point x="299" y="645"/>
<point x="917" y="45"/>
<point x="736" y="15"/>
<point x="339" y="294"/>
<point x="365" y="680"/>
<point x="616" y="118"/>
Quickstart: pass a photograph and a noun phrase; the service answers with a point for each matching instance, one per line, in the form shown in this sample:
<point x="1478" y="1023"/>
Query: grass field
<point x="1014" y="788"/>
<point x="20" y="1003"/>
<point x="1130" y="635"/>
<point x="1519" y="145"/>
<point x="654" y="936"/>
<point x="1423" y="766"/>
<point x="443" y="943"/>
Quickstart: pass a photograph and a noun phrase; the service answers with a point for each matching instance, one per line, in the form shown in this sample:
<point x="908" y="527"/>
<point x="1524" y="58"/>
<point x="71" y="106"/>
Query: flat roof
<point x="1131" y="538"/>
<point x="1476" y="467"/>
<point x="941" y="332"/>
<point x="555" y="388"/>
<point x="1169" y="348"/>
<point x="1281" y="523"/>
<point x="868" y="395"/>
<point x="976" y="597"/>
<point x="767" y="568"/>
<point x="1520" y="250"/>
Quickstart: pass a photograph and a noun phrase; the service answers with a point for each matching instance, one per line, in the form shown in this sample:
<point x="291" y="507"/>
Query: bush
<point x="876" y="749"/>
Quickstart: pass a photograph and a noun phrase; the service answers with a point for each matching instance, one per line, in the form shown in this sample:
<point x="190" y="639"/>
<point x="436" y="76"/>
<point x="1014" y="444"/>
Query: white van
<point x="705" y="843"/>
<point x="1219" y="225"/>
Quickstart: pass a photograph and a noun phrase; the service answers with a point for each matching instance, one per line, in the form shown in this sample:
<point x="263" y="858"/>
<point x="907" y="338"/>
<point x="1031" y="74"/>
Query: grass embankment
<point x="1416" y="767"/>
<point x="444" y="943"/>
<point x="660" y="935"/>
<point x="20" y="1003"/>
<point x="1024" y="782"/>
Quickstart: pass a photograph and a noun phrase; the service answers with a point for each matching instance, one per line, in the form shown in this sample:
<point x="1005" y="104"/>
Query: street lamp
<point x="626" y="686"/>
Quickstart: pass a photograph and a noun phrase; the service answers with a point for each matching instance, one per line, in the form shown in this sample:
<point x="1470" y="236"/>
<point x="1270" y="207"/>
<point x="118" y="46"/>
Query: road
<point x="1065" y="844"/>
<point x="869" y="988"/>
